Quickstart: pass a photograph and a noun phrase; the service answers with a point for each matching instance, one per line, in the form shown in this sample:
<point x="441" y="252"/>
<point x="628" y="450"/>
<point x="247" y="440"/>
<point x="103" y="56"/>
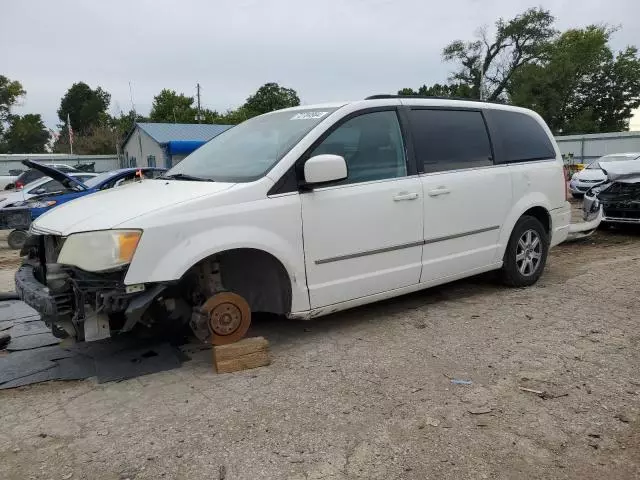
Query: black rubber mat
<point x="35" y="354"/>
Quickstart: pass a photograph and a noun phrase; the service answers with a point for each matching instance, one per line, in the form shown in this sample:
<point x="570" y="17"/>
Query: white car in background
<point x="40" y="186"/>
<point x="593" y="175"/>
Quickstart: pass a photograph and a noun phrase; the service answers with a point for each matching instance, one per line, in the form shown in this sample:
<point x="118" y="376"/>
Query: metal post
<point x="199" y="116"/>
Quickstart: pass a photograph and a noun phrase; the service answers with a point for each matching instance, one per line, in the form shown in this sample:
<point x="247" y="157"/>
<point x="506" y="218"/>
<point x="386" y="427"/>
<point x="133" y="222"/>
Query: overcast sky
<point x="326" y="50"/>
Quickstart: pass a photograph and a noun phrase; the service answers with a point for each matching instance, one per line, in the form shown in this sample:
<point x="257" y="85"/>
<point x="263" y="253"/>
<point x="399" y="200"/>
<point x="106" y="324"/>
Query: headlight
<point x="44" y="204"/>
<point x="101" y="250"/>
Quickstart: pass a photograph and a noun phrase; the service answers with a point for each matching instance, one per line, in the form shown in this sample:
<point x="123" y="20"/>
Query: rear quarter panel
<point x="537" y="183"/>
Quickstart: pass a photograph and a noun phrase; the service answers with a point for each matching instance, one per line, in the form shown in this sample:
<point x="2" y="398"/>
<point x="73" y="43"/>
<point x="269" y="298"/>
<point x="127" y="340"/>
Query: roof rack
<point x="461" y="99"/>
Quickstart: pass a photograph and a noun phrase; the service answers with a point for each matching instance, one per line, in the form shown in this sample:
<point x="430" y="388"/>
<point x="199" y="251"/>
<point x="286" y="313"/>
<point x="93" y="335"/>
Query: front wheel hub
<point x="229" y="317"/>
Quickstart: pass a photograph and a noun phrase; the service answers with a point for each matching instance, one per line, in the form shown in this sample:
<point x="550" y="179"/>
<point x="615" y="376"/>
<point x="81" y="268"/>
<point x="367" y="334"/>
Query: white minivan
<point x="304" y="212"/>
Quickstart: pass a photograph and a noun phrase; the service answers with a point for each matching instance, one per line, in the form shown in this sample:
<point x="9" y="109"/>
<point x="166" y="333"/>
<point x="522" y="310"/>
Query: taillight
<point x="19" y="185"/>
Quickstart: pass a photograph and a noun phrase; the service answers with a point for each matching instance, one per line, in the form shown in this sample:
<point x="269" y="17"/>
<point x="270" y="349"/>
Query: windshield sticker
<point x="308" y="115"/>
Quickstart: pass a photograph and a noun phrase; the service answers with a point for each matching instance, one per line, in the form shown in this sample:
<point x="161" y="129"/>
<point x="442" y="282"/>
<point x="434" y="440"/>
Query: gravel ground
<point x="368" y="394"/>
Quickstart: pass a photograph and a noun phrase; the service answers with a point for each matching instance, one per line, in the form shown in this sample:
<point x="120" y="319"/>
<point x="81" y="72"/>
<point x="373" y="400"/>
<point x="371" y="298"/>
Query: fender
<point x="530" y="200"/>
<point x="190" y="250"/>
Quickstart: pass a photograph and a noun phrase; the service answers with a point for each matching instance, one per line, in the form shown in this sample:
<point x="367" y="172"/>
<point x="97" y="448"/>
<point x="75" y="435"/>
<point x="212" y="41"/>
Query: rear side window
<point x="450" y="139"/>
<point x="521" y="136"/>
<point x="29" y="176"/>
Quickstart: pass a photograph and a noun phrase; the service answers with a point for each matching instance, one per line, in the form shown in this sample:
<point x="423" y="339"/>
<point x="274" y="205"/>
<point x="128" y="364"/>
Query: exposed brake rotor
<point x="229" y="317"/>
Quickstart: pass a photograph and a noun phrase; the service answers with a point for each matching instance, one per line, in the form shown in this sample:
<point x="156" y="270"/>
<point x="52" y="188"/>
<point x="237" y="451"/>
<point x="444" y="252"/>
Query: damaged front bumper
<point x="79" y="304"/>
<point x="585" y="229"/>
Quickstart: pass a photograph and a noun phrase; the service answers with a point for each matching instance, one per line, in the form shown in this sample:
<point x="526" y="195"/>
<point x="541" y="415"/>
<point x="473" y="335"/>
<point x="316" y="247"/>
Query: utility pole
<point x="199" y="116"/>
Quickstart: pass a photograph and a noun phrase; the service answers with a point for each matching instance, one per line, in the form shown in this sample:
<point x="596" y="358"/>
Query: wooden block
<point x="243" y="355"/>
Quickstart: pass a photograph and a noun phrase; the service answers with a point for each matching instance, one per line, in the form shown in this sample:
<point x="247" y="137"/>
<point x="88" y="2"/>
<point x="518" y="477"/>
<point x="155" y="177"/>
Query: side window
<point x="371" y="144"/>
<point x="132" y="161"/>
<point x="450" y="139"/>
<point x="151" y="160"/>
<point x="48" y="187"/>
<point x="131" y="177"/>
<point x="522" y="137"/>
<point x="153" y="173"/>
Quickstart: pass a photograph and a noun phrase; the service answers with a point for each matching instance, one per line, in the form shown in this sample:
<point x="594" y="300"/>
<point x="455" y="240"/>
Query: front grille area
<point x="625" y="213"/>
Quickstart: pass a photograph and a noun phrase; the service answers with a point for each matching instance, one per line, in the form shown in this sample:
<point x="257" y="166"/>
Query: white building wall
<point x="587" y="148"/>
<point x="102" y="163"/>
<point x="139" y="146"/>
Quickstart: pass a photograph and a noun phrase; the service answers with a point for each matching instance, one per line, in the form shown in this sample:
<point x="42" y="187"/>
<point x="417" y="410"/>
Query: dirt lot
<point x="367" y="393"/>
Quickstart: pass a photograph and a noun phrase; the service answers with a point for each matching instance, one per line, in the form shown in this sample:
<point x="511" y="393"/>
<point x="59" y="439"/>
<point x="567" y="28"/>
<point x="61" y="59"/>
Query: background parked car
<point x="33" y="174"/>
<point x="618" y="197"/>
<point x="593" y="175"/>
<point x="74" y="188"/>
<point x="43" y="185"/>
<point x="7" y="181"/>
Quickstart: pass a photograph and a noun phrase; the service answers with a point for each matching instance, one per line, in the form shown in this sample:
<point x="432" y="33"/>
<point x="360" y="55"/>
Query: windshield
<point x="98" y="179"/>
<point x="248" y="151"/>
<point x="613" y="158"/>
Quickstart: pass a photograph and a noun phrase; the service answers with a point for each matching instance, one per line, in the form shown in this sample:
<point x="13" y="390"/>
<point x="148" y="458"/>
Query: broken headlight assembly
<point x="100" y="250"/>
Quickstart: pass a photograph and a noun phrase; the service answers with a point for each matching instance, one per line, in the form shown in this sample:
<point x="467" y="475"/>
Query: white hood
<point x="591" y="174"/>
<point x="108" y="209"/>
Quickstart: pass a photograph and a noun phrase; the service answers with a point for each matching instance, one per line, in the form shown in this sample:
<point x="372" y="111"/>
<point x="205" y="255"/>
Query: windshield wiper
<point x="184" y="176"/>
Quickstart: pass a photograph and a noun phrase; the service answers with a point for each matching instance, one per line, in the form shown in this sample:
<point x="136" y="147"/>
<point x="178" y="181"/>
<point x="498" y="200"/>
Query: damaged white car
<point x="618" y="198"/>
<point x="304" y="212"/>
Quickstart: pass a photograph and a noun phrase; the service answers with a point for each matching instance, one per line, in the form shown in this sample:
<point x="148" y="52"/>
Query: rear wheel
<point x="526" y="253"/>
<point x="16" y="239"/>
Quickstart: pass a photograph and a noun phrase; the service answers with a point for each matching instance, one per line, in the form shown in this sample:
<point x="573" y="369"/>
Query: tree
<point x="10" y="92"/>
<point x="488" y="65"/>
<point x="457" y="90"/>
<point x="26" y="134"/>
<point x="582" y="86"/>
<point x="171" y="107"/>
<point x="124" y="123"/>
<point x="86" y="108"/>
<point x="234" y="117"/>
<point x="270" y="97"/>
<point x="101" y="140"/>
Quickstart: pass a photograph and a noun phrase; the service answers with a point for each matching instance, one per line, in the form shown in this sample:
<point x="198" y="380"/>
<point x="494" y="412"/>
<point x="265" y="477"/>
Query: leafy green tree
<point x="86" y="108"/>
<point x="171" y="107"/>
<point x="457" y="90"/>
<point x="581" y="86"/>
<point x="125" y="122"/>
<point x="10" y="93"/>
<point x="100" y="140"/>
<point x="270" y="97"/>
<point x="234" y="117"/>
<point x="488" y="65"/>
<point x="26" y="134"/>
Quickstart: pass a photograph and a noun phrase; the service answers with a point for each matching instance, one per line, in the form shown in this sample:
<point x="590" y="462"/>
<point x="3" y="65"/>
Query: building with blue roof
<point x="165" y="144"/>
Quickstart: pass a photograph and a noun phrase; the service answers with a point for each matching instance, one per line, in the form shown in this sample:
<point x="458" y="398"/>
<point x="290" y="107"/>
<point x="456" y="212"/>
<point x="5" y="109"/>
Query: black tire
<point x="16" y="239"/>
<point x="516" y="256"/>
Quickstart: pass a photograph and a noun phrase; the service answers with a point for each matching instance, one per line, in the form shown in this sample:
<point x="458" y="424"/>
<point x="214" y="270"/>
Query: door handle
<point x="439" y="191"/>
<point x="405" y="196"/>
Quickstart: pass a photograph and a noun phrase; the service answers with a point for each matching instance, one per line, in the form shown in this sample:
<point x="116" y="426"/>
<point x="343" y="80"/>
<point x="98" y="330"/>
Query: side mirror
<point x="40" y="191"/>
<point x="324" y="168"/>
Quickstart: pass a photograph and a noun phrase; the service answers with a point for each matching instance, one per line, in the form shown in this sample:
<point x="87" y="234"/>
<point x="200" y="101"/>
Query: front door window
<point x="372" y="146"/>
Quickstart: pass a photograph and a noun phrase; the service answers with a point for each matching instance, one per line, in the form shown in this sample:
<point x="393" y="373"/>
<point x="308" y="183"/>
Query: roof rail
<point x="461" y="99"/>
